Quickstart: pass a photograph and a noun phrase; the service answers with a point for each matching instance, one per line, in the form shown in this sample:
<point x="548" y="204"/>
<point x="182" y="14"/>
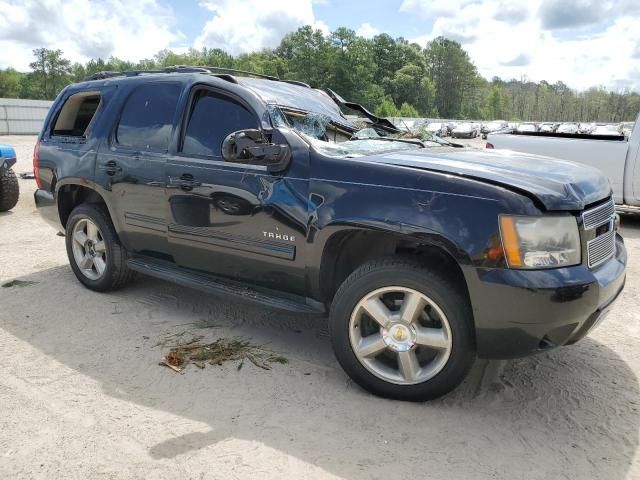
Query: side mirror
<point x="246" y="146"/>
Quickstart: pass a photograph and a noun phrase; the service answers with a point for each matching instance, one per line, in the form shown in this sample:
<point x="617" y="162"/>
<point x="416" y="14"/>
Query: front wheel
<point x="402" y="331"/>
<point x="9" y="190"/>
<point x="96" y="256"/>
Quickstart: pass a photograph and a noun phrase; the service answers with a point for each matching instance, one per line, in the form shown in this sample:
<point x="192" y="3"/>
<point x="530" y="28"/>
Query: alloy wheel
<point x="400" y="335"/>
<point x="89" y="249"/>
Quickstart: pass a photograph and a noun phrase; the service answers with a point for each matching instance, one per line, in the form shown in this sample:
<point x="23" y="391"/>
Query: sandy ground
<point x="82" y="395"/>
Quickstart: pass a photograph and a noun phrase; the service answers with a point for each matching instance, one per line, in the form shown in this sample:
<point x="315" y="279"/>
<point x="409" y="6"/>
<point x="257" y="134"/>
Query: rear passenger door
<point x="226" y="218"/>
<point x="131" y="165"/>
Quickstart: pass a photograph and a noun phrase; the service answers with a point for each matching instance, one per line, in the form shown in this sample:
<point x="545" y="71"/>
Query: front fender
<point x="7" y="157"/>
<point x="6" y="164"/>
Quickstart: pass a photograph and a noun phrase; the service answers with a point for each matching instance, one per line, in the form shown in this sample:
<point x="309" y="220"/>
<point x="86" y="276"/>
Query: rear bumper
<point x="518" y="312"/>
<point x="48" y="208"/>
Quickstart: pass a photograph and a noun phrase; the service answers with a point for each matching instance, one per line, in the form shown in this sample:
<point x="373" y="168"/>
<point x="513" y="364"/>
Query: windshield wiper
<point x="387" y="139"/>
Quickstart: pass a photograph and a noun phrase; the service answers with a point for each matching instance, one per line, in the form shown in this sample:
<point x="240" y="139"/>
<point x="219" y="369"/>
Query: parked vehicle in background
<point x="9" y="187"/>
<point x="424" y="255"/>
<point x="548" y="127"/>
<point x="494" y="126"/>
<point x="606" y="130"/>
<point x="465" y="130"/>
<point x="527" y="127"/>
<point x="569" y="128"/>
<point x="626" y="128"/>
<point x="614" y="155"/>
<point x="438" y="128"/>
<point x="586" y="128"/>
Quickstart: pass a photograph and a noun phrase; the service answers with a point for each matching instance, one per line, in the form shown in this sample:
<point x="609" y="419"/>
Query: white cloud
<point x="367" y="30"/>
<point x="434" y="8"/>
<point x="320" y="25"/>
<point x="250" y="25"/>
<point x="84" y="29"/>
<point x="509" y="39"/>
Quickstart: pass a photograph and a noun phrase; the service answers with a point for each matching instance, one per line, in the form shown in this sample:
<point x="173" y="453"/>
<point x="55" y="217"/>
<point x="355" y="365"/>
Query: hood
<point x="557" y="184"/>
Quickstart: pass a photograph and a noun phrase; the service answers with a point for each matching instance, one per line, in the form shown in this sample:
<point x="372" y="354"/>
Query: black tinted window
<point x="147" y="117"/>
<point x="213" y="117"/>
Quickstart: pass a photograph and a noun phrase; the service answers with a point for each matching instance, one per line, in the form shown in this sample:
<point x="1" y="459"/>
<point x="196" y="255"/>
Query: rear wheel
<point x="96" y="256"/>
<point x="402" y="331"/>
<point x="9" y="190"/>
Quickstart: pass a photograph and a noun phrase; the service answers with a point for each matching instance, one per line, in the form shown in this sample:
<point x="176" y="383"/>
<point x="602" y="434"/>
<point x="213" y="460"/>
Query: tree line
<point x="392" y="77"/>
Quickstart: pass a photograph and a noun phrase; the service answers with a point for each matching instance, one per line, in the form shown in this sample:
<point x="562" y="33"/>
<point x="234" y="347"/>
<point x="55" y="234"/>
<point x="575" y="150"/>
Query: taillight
<point x="36" y="172"/>
<point x="489" y="145"/>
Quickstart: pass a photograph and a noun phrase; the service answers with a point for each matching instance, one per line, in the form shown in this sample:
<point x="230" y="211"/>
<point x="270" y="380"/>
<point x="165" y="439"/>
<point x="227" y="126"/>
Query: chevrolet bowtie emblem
<point x="400" y="335"/>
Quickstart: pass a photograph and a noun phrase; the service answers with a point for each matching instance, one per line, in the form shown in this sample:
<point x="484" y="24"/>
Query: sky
<point x="581" y="42"/>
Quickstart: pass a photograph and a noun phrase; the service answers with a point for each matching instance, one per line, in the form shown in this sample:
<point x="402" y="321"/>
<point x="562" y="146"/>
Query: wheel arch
<point x="345" y="249"/>
<point x="70" y="194"/>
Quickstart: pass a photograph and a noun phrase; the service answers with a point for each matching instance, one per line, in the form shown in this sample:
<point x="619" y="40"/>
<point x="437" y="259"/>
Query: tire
<point x="114" y="273"/>
<point x="9" y="190"/>
<point x="447" y="306"/>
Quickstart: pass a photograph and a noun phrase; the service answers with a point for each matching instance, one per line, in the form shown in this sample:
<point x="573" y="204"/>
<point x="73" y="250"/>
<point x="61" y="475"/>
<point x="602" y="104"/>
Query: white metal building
<point x="22" y="117"/>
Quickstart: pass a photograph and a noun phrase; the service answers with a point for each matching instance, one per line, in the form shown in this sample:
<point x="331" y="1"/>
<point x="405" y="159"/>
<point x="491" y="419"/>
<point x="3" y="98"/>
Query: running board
<point x="224" y="287"/>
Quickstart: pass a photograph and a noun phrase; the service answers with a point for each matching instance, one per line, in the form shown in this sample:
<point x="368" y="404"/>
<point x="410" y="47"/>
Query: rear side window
<point x="147" y="117"/>
<point x="212" y="118"/>
<point x="76" y="114"/>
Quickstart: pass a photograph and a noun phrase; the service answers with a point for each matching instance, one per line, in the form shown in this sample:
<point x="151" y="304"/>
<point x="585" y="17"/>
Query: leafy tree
<point x="51" y="70"/>
<point x="307" y="53"/>
<point x="352" y="64"/>
<point x="494" y="108"/>
<point x="408" y="110"/>
<point x="381" y="73"/>
<point x="387" y="109"/>
<point x="9" y="83"/>
<point x="452" y="74"/>
<point x="410" y="84"/>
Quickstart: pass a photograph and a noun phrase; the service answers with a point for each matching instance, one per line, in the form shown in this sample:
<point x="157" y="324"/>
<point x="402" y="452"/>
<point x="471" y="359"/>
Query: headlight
<point x="540" y="242"/>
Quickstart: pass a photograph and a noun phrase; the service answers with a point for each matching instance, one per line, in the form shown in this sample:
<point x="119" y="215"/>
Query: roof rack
<point x="223" y="72"/>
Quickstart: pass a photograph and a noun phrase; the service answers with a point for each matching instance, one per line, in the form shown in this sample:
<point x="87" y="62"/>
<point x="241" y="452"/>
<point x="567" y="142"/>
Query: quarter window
<point x="147" y="118"/>
<point x="212" y="118"/>
<point x="76" y="114"/>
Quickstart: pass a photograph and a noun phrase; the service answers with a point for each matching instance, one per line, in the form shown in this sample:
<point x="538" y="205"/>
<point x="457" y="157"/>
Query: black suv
<point x="423" y="253"/>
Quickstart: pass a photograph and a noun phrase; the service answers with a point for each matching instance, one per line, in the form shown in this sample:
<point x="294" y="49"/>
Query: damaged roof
<point x="296" y="97"/>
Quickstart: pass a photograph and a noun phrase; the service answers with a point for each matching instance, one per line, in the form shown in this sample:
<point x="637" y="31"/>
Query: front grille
<point x="601" y="248"/>
<point x="598" y="225"/>
<point x="598" y="216"/>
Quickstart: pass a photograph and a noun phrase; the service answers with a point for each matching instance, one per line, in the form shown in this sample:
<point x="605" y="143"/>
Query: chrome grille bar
<point x="598" y="216"/>
<point x="601" y="248"/>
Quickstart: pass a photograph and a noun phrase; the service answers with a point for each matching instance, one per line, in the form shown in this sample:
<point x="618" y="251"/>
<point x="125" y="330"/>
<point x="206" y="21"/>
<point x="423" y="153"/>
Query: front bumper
<point x="48" y="208"/>
<point x="520" y="312"/>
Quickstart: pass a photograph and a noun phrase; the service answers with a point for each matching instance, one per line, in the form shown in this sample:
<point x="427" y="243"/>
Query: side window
<point x="76" y="114"/>
<point x="147" y="117"/>
<point x="212" y="118"/>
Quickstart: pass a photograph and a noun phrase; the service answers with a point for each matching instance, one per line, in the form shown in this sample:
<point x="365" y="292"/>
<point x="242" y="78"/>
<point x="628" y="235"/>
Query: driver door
<point x="223" y="217"/>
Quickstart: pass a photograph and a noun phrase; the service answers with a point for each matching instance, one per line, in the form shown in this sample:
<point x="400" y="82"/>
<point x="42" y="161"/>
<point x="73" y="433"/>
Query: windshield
<point x="464" y="126"/>
<point x="494" y="125"/>
<point x="333" y="140"/>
